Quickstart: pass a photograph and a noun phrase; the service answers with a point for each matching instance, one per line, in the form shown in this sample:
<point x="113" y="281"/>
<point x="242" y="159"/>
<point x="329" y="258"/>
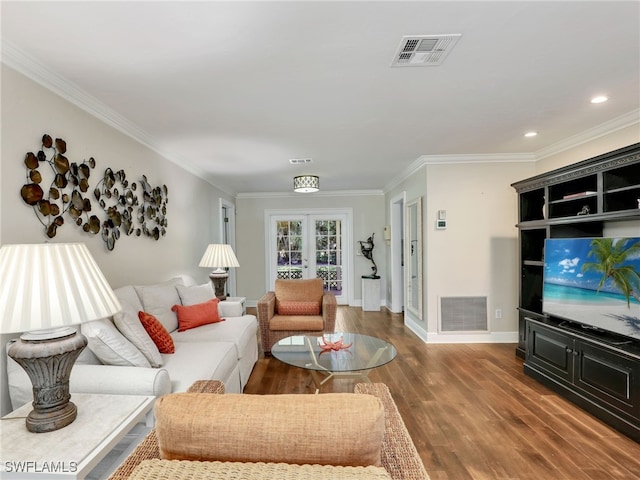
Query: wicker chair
<point x="399" y="456"/>
<point x="295" y="307"/>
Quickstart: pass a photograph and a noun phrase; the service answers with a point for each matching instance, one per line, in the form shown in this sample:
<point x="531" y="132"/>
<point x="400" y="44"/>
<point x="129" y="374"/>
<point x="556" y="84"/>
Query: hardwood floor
<point x="471" y="411"/>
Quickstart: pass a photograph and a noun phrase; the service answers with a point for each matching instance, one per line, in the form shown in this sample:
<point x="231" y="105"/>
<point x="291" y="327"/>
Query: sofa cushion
<point x="158" y="300"/>
<point x="110" y="346"/>
<point x="157" y="332"/>
<point x="238" y="330"/>
<point x="311" y="323"/>
<point x="192" y="316"/>
<point x="128" y="294"/>
<point x="191" y="295"/>
<point x="299" y="308"/>
<point x="201" y="361"/>
<point x="186" y="470"/>
<point x="130" y="326"/>
<point x="328" y="429"/>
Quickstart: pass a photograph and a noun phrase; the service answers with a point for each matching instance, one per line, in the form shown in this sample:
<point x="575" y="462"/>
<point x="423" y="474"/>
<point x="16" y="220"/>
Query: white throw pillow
<point x="158" y="301"/>
<point x="129" y="324"/>
<point x="110" y="346"/>
<point x="128" y="294"/>
<point x="195" y="294"/>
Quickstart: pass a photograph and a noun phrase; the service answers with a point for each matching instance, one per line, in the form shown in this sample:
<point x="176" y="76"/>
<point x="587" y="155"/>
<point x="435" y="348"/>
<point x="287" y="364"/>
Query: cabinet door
<point x="550" y="351"/>
<point x="609" y="376"/>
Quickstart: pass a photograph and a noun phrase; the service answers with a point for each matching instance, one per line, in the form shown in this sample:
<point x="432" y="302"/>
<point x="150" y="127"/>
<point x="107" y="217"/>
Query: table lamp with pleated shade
<point x="46" y="290"/>
<point x="219" y="256"/>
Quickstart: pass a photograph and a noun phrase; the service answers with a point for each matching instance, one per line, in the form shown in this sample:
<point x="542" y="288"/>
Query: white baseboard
<point x="489" y="337"/>
<point x="416" y="328"/>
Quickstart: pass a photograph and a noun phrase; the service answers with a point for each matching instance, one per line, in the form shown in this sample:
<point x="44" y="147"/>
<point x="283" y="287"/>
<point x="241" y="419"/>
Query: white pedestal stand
<point x="370" y="294"/>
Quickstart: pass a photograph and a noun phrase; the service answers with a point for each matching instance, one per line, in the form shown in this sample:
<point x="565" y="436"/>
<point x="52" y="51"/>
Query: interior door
<point x="309" y="246"/>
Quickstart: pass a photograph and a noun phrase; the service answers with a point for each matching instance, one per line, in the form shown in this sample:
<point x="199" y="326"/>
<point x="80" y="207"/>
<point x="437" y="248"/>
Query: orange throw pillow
<point x="157" y="332"/>
<point x="192" y="316"/>
<point x="299" y="308"/>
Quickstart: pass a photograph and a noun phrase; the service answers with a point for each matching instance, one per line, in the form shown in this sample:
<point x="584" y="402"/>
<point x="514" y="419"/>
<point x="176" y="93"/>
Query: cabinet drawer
<point x="551" y="351"/>
<point x="609" y="376"/>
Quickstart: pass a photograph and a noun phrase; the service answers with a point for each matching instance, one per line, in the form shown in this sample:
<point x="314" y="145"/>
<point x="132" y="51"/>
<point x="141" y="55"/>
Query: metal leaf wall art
<point x="125" y="212"/>
<point x="117" y="199"/>
<point x="64" y="193"/>
<point x="152" y="214"/>
<point x="126" y="208"/>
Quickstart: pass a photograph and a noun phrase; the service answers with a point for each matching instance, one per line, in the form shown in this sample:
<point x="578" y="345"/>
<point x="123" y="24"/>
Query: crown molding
<point x="405" y="174"/>
<point x="477" y="158"/>
<point x="31" y="68"/>
<point x="627" y="120"/>
<point x="623" y="121"/>
<point x="423" y="160"/>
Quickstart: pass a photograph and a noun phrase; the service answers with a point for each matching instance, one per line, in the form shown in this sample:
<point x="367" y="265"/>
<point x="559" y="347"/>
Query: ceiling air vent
<point x="424" y="50"/>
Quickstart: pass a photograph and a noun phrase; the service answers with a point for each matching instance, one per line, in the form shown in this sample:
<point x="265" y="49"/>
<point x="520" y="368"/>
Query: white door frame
<point x="396" y="209"/>
<point x="347" y="241"/>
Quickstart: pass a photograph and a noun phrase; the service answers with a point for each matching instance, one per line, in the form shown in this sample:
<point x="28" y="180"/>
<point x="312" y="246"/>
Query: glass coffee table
<point x="364" y="354"/>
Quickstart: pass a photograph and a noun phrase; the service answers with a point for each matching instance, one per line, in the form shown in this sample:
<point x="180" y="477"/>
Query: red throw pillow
<point x="157" y="332"/>
<point x="192" y="316"/>
<point x="299" y="308"/>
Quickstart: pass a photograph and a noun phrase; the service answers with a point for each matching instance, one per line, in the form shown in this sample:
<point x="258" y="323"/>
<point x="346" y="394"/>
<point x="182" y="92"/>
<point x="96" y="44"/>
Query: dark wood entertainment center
<point x="597" y="370"/>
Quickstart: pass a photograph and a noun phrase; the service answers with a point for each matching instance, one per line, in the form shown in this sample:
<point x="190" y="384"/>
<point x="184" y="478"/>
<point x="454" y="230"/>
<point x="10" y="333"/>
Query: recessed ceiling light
<point x="599" y="99"/>
<point x="530" y="134"/>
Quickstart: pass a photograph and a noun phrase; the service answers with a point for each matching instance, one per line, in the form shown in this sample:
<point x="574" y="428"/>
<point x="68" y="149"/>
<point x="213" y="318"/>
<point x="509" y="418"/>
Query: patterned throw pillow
<point x="299" y="308"/>
<point x="157" y="332"/>
<point x="192" y="316"/>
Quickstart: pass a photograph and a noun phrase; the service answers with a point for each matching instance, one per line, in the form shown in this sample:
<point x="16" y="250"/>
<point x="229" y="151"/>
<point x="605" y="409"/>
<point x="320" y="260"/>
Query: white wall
<point x="477" y="254"/>
<point x="368" y="217"/>
<point x="29" y="111"/>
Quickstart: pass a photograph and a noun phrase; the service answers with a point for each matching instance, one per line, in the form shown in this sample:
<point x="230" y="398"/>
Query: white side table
<point x="73" y="451"/>
<point x="370" y="294"/>
<point x="240" y="300"/>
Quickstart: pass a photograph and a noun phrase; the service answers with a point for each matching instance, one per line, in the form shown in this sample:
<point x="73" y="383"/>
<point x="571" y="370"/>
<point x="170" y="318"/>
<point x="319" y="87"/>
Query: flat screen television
<point x="595" y="282"/>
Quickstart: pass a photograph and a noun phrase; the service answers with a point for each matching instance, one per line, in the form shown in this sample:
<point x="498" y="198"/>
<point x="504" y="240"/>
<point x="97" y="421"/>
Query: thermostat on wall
<point x="441" y="224"/>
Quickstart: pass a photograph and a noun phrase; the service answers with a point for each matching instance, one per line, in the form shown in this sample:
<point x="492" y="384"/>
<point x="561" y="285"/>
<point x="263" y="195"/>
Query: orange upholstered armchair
<point x="295" y="307"/>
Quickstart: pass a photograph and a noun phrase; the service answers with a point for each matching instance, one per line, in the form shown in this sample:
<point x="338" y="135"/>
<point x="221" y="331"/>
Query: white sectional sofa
<point x="121" y="357"/>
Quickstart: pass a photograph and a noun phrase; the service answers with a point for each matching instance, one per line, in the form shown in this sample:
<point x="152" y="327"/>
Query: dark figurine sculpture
<point x="366" y="247"/>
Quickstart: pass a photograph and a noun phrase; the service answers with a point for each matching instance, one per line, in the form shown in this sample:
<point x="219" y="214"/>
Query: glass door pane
<point x="309" y="246"/>
<point x="328" y="254"/>
<point x="290" y="249"/>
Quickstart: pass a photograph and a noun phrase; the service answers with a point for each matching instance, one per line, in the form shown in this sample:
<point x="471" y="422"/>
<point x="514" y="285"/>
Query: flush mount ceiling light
<point x="530" y="134"/>
<point x="306" y="183"/>
<point x="599" y="99"/>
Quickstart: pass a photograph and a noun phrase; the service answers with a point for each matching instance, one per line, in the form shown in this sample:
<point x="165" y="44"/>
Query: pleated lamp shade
<point x="219" y="255"/>
<point x="51" y="285"/>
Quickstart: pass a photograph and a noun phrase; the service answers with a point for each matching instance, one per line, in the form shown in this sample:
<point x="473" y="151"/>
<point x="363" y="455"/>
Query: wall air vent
<point x="300" y="161"/>
<point x="424" y="50"/>
<point x="463" y="314"/>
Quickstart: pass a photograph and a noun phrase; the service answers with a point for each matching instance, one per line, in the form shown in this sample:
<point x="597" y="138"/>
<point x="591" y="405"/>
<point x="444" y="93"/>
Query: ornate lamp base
<point x="219" y="280"/>
<point x="48" y="357"/>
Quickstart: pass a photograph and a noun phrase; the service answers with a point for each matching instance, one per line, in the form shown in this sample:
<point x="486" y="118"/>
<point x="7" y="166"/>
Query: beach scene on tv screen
<point x="594" y="281"/>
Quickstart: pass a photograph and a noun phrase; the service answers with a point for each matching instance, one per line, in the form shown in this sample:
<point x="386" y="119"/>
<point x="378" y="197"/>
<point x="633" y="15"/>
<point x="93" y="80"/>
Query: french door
<point x="304" y="245"/>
